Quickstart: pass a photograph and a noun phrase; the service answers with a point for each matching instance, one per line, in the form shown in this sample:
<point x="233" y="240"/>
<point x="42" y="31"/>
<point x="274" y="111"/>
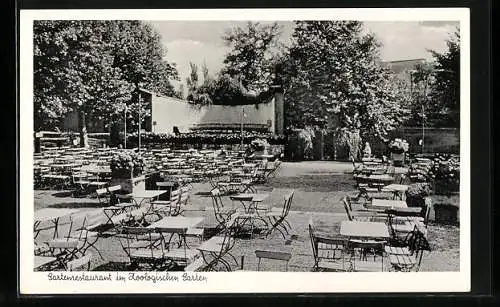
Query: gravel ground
<point x="319" y="187"/>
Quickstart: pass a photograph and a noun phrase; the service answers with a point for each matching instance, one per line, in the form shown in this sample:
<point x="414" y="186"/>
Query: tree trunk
<point x="84" y="139"/>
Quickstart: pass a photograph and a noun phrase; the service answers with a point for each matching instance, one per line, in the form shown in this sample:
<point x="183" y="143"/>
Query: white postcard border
<point x="239" y="282"/>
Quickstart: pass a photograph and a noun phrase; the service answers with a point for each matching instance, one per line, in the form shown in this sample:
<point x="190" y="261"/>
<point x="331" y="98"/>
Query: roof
<point x="160" y="95"/>
<point x="403" y="65"/>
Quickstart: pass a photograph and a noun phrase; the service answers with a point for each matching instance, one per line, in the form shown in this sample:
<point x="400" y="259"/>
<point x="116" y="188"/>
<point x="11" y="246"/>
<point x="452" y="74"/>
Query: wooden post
<point x="139" y="136"/>
<point x="321" y="145"/>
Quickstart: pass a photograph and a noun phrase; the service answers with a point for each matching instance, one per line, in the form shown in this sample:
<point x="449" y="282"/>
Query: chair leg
<point x="93" y="246"/>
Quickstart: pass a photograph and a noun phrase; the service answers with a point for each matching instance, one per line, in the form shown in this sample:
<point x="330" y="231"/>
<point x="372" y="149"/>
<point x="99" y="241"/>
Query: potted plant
<point x="260" y="146"/>
<point x="398" y="148"/>
<point x="127" y="169"/>
<point x="416" y="194"/>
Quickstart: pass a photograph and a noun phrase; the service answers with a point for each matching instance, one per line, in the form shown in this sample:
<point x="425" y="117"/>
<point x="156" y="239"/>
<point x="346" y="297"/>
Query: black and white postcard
<point x="244" y="151"/>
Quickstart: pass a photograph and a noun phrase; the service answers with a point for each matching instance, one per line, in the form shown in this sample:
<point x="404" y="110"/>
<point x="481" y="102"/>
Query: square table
<point x="143" y="195"/>
<point x="50" y="214"/>
<point x="388" y="203"/>
<point x="365" y="230"/>
<point x="397" y="189"/>
<point x="384" y="179"/>
<point x="176" y="223"/>
<point x="250" y="200"/>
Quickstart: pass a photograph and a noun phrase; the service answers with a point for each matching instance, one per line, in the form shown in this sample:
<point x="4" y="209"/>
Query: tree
<point x="192" y="82"/>
<point x="333" y="78"/>
<point x="73" y="70"/>
<point x="139" y="54"/>
<point x="251" y="57"/>
<point x="180" y="92"/>
<point x="199" y="94"/>
<point x="420" y="82"/>
<point x="206" y="76"/>
<point x="94" y="67"/>
<point x="445" y="91"/>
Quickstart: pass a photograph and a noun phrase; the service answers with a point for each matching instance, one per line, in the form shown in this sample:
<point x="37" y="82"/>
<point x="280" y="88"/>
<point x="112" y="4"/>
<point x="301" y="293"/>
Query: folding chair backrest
<point x="288" y="202"/>
<point x="314" y="244"/>
<point x="184" y="198"/>
<point x="348" y="201"/>
<point x="113" y="199"/>
<point x="135" y="230"/>
<point x="115" y="188"/>
<point x="336" y="245"/>
<point x="347" y="209"/>
<point x="229" y="237"/>
<point x="417" y="244"/>
<point x="366" y="244"/>
<point x="213" y="180"/>
<point x="101" y="192"/>
<point x="217" y="200"/>
<point x="403" y="179"/>
<point x="174" y="196"/>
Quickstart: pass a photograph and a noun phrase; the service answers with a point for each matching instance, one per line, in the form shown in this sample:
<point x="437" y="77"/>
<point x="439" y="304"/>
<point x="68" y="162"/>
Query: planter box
<point x="415" y="201"/>
<point x="398" y="159"/>
<point x="446" y="214"/>
<point x="130" y="185"/>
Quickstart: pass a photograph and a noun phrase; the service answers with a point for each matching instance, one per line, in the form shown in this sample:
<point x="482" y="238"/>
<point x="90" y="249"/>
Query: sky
<point x="201" y="41"/>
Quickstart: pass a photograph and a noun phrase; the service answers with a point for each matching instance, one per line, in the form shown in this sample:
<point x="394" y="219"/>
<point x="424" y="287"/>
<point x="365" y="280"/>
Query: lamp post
<point x="125" y="127"/>
<point x="242" y="117"/>
<point x="139" y="136"/>
<point x="423" y="104"/>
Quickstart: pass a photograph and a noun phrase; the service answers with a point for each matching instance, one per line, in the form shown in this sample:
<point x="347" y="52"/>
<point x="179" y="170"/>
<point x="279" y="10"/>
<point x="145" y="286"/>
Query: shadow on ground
<point x="75" y="205"/>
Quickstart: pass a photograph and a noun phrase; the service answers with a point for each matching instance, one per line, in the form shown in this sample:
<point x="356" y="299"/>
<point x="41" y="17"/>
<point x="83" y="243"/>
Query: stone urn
<point x="398" y="159"/>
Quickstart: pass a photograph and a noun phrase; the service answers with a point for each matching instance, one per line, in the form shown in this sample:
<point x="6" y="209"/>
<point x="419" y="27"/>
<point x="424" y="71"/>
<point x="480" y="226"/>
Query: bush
<point x="445" y="172"/>
<point x="197" y="138"/>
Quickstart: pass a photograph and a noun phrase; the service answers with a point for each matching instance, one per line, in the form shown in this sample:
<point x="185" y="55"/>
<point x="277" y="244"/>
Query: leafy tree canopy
<point x="445" y="91"/>
<point x="94" y="67"/>
<point x="333" y="77"/>
<point x="252" y="55"/>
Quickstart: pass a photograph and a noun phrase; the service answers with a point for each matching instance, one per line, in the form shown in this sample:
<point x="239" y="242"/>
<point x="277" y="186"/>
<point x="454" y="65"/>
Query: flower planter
<point x="398" y="159"/>
<point x="446" y="214"/>
<point x="129" y="185"/>
<point x="415" y="201"/>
